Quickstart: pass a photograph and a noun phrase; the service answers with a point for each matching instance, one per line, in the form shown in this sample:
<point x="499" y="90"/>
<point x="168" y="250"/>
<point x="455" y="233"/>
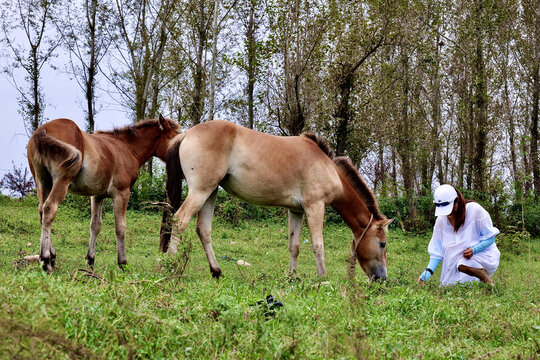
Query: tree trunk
<point x="212" y="97"/>
<point x="36" y="106"/>
<point x="534" y="110"/>
<point x="394" y="192"/>
<point x="480" y="104"/>
<point x="436" y="158"/>
<point x="251" y="54"/>
<point x="405" y="146"/>
<point x="198" y="79"/>
<point x="91" y="12"/>
<point x="343" y="111"/>
<point x="470" y="136"/>
<point x="516" y="178"/>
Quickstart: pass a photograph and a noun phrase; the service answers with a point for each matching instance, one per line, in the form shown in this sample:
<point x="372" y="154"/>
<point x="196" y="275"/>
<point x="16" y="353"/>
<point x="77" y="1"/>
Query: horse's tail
<point x="56" y="155"/>
<point x="175" y="173"/>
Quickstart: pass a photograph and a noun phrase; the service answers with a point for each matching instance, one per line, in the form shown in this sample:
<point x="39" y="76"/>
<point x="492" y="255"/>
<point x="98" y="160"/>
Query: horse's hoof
<point x="123" y="266"/>
<point x="216" y="274"/>
<point x="47" y="267"/>
<point x="90" y="261"/>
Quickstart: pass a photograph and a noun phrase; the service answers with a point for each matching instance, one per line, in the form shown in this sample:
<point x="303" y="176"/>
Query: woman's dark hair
<point x="460" y="212"/>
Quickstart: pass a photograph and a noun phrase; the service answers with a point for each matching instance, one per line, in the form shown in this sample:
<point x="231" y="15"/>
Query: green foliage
<point x="398" y="208"/>
<point x="148" y="188"/>
<point x="231" y="209"/>
<point x="148" y="311"/>
<point x="514" y="241"/>
<point x="528" y="214"/>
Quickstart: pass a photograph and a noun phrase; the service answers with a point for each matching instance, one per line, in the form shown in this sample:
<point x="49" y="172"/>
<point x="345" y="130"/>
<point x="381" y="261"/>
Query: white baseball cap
<point x="443" y="198"/>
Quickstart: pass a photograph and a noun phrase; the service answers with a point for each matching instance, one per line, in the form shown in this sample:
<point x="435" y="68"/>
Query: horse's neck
<point x="352" y="209"/>
<point x="143" y="146"/>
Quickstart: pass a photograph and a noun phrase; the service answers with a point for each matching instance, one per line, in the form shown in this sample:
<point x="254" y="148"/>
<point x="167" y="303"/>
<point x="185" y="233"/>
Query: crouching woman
<point x="463" y="239"/>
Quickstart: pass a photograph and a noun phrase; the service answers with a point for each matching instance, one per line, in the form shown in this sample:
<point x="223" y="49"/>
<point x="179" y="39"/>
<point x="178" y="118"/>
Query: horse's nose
<point x="379" y="274"/>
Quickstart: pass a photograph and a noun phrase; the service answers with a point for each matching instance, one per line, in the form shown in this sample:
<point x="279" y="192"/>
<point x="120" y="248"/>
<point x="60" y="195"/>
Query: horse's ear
<point x="162" y="122"/>
<point x="384" y="223"/>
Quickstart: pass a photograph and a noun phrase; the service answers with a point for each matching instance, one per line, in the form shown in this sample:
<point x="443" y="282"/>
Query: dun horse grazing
<point x="105" y="164"/>
<point x="299" y="173"/>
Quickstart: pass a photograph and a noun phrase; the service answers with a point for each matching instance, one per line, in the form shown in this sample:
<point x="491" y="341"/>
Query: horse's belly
<point x="86" y="184"/>
<point x="262" y="193"/>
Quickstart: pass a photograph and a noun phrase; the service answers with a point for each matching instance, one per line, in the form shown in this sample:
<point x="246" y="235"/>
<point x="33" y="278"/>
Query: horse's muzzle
<point x="379" y="274"/>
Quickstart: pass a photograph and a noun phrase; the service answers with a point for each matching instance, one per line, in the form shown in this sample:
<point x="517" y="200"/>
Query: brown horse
<point x="105" y="164"/>
<point x="299" y="173"/>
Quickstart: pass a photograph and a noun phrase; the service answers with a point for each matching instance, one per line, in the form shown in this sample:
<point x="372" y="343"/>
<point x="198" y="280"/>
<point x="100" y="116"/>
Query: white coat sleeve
<point x="435" y="248"/>
<point x="484" y="226"/>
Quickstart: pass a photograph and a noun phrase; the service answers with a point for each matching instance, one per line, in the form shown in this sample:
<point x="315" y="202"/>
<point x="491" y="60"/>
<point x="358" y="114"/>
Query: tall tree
<point x="142" y="36"/>
<point x="480" y="101"/>
<point x="32" y="20"/>
<point x="298" y="28"/>
<point x="535" y="95"/>
<point x="85" y="33"/>
<point x="199" y="19"/>
<point x="142" y="27"/>
<point x="361" y="29"/>
<point x="215" y="31"/>
<point x="250" y="26"/>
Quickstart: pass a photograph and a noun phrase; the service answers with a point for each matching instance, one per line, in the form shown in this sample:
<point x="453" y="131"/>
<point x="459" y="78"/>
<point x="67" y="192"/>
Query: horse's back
<point x="257" y="167"/>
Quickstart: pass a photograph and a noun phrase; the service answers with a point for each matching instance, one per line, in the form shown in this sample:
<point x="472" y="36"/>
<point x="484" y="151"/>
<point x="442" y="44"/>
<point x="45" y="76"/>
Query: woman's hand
<point x="468" y="253"/>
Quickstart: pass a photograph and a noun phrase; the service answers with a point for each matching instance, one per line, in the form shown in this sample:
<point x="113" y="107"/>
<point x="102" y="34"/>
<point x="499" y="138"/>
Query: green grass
<point x="149" y="312"/>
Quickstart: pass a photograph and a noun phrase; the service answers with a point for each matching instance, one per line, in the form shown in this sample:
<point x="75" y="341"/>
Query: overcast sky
<point x="63" y="98"/>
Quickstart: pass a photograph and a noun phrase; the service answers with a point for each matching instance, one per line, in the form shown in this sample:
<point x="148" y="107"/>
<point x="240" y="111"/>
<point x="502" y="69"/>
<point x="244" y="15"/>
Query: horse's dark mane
<point x="321" y="143"/>
<point x="131" y="130"/>
<point x="349" y="170"/>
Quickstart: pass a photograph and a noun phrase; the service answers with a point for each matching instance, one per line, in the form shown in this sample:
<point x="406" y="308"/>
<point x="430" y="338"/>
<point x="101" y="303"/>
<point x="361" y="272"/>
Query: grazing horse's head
<point x="371" y="249"/>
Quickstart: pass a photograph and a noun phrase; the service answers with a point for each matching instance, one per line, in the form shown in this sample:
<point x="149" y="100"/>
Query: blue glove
<point x="433" y="263"/>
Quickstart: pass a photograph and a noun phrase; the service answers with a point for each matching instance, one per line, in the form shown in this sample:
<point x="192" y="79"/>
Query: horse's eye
<point x="383" y="245"/>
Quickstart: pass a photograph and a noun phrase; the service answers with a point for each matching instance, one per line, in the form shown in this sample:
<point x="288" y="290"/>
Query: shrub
<point x="513" y="240"/>
<point x="18" y="182"/>
<point x="530" y="215"/>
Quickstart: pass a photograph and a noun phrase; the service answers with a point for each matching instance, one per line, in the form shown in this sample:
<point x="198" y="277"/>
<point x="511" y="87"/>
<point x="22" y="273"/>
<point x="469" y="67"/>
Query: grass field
<point x="153" y="310"/>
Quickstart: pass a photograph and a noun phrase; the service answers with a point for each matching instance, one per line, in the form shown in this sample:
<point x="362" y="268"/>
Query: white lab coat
<point x="447" y="245"/>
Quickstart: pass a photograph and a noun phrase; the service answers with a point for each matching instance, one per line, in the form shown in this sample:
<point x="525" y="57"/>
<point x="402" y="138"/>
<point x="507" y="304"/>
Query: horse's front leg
<point x="295" y="229"/>
<point x="315" y="219"/>
<point x="204" y="230"/>
<point x="120" y="202"/>
<point x="49" y="209"/>
<point x="95" y="227"/>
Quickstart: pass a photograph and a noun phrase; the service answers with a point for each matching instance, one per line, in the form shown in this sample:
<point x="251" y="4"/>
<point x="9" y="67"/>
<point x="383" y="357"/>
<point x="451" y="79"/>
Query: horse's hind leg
<point x="204" y="230"/>
<point x="191" y="206"/>
<point x="95" y="227"/>
<point x="315" y="219"/>
<point x="295" y="228"/>
<point x="49" y="209"/>
<point x="44" y="185"/>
